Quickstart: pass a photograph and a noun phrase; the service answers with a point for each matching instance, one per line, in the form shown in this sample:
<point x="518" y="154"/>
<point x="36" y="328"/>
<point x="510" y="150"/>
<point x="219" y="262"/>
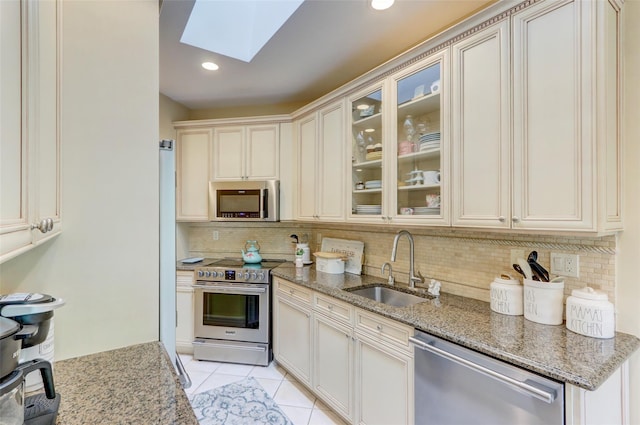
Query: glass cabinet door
<point x="419" y="159"/>
<point x="367" y="155"/>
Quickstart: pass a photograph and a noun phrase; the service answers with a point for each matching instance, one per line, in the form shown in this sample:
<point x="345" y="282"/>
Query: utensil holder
<point x="543" y="302"/>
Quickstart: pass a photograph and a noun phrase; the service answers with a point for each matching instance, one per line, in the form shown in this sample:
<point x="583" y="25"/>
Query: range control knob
<point x="246" y="275"/>
<point x="254" y="275"/>
<point x="207" y="274"/>
<point x="261" y="276"/>
<point x="214" y="274"/>
<point x="200" y="273"/>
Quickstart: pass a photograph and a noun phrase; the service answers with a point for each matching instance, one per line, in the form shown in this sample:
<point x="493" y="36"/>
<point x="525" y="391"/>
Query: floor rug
<point x="240" y="403"/>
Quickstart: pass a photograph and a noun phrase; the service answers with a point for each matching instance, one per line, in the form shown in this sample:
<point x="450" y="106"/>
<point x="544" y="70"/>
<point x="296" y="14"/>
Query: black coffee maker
<point x="38" y="409"/>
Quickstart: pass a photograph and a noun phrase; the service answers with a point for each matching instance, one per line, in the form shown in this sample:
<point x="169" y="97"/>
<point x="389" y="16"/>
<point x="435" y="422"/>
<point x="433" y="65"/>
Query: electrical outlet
<point x="515" y="254"/>
<point x="567" y="265"/>
<point x="216" y="235"/>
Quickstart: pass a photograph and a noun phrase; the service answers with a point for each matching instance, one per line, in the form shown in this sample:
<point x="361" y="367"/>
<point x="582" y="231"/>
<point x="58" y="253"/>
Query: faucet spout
<point x="413" y="279"/>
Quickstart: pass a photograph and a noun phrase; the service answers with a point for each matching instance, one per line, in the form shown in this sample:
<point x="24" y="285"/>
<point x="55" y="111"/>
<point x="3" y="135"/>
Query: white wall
<point x="105" y="263"/>
<point x="627" y="277"/>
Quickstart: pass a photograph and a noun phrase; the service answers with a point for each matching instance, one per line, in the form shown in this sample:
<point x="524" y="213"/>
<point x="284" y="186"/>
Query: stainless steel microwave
<point x="244" y="200"/>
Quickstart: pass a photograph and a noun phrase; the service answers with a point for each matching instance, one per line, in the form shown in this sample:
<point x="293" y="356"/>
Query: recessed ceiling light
<point x="210" y="66"/>
<point x="381" y="4"/>
<point x="369" y="130"/>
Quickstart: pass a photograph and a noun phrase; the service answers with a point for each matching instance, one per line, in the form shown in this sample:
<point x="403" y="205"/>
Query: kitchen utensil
<point x="526" y="268"/>
<point x="519" y="270"/>
<point x="295" y="238"/>
<point x="537" y="269"/>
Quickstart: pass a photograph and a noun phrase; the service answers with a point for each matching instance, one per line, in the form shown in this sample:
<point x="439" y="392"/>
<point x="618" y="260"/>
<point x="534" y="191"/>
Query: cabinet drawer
<point x="383" y="329"/>
<point x="292" y="290"/>
<point x="184" y="278"/>
<point x="333" y="308"/>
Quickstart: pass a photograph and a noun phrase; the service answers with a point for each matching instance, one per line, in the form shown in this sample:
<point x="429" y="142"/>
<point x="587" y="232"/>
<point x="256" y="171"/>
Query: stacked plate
<point x="369" y="209"/>
<point x="429" y="141"/>
<point x="426" y="210"/>
<point x="373" y="184"/>
<point x="372" y="156"/>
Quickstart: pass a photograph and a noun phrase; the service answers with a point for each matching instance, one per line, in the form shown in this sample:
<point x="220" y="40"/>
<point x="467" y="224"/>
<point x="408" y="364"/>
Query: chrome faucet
<point x="412" y="275"/>
<point x="390" y="280"/>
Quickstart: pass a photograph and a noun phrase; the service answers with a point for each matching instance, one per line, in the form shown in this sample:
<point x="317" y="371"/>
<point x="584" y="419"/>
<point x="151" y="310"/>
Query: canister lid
<point x="590" y="294"/>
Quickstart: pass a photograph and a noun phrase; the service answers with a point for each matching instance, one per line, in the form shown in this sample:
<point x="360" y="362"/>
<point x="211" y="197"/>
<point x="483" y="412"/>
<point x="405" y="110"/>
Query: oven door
<point x="237" y="312"/>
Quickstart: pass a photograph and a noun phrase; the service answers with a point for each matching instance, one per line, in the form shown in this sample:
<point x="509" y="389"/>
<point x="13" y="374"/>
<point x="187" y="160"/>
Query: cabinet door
<point x="307" y="166"/>
<point x="47" y="157"/>
<point x="368" y="154"/>
<point x="420" y="140"/>
<point x="331" y="156"/>
<point x="192" y="169"/>
<point x="552" y="169"/>
<point x="228" y="153"/>
<point x="333" y="364"/>
<point x="263" y="152"/>
<point x="481" y="141"/>
<point x="292" y="337"/>
<point x="384" y="384"/>
<point x="184" y="319"/>
<point x="15" y="232"/>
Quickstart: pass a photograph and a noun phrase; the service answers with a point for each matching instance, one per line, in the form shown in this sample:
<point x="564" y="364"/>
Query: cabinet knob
<point x="515" y="219"/>
<point x="379" y="327"/>
<point x="501" y="219"/>
<point x="330" y="307"/>
<point x="45" y="225"/>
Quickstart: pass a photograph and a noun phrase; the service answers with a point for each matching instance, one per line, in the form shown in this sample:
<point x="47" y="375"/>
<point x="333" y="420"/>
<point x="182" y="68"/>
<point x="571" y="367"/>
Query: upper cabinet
<point x="246" y="152"/>
<point x="399" y="172"/>
<point x="554" y="164"/>
<point x="192" y="174"/>
<point x="226" y="150"/>
<point x="566" y="147"/>
<point x="321" y="159"/>
<point x="30" y="211"/>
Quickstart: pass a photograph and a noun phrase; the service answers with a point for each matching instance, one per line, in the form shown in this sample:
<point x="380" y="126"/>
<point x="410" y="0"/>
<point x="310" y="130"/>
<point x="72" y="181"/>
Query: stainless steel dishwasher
<point x="455" y="385"/>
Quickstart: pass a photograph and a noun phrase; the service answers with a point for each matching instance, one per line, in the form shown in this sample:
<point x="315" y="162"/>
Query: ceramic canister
<point x="543" y="301"/>
<point x="590" y="313"/>
<point x="506" y="296"/>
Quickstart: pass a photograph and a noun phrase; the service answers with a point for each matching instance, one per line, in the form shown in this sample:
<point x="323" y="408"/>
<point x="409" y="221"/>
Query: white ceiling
<point x="325" y="44"/>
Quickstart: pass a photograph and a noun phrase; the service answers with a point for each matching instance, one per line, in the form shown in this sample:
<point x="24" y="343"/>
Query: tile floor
<point x="294" y="399"/>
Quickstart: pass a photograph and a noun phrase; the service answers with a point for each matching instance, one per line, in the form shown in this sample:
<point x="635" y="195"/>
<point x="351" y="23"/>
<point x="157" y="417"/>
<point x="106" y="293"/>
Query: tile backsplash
<point x="464" y="261"/>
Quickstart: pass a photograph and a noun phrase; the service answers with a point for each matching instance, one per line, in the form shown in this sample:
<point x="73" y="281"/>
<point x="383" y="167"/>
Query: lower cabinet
<point x="358" y="363"/>
<point x="184" y="312"/>
<point x="292" y="329"/>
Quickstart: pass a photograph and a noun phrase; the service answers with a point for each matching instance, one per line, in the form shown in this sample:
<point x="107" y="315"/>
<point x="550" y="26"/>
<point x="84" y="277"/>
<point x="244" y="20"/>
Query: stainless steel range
<point x="233" y="312"/>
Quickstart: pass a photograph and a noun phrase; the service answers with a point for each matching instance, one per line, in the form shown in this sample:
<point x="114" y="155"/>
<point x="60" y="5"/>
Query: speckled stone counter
<point x="132" y="385"/>
<point x="552" y="351"/>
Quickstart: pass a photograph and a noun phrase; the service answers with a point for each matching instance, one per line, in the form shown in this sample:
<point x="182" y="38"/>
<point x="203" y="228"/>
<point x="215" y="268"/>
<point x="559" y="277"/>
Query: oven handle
<point x="241" y="289"/>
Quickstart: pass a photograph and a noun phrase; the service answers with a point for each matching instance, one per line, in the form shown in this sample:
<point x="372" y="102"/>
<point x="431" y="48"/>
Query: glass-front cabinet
<point x="399" y="145"/>
<point x="367" y="153"/>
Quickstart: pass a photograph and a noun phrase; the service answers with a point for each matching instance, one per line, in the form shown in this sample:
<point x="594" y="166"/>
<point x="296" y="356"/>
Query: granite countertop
<point x="136" y="384"/>
<point x="551" y="351"/>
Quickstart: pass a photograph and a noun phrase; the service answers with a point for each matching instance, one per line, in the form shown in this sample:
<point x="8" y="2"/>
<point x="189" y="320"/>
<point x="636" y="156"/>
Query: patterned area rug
<point x="240" y="403"/>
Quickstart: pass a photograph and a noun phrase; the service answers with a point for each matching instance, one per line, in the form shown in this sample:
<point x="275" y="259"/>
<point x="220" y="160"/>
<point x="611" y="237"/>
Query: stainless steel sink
<point x="388" y="296"/>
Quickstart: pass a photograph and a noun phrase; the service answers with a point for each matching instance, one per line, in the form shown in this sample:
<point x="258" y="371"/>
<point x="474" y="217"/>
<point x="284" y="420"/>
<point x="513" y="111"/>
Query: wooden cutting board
<point x="354" y="250"/>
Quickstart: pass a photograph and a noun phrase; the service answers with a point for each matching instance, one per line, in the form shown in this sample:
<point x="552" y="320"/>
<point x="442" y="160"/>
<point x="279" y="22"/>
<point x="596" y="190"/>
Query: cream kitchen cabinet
<point x="184" y="312"/>
<point x="360" y="364"/>
<point x="384" y="370"/>
<point x="249" y="152"/>
<point x="321" y="162"/>
<point x="30" y="211"/>
<point x="192" y="173"/>
<point x="292" y="329"/>
<point x="560" y="171"/>
<point x="401" y="175"/>
<point x="333" y="354"/>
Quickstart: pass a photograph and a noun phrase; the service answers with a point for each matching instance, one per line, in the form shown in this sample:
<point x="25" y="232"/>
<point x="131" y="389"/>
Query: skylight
<point x="236" y="28"/>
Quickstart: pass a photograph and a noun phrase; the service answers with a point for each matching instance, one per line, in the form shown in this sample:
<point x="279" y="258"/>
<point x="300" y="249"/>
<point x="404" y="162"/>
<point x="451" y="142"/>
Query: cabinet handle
<point x="379" y="327"/>
<point x="501" y="219"/>
<point x="515" y="219"/>
<point x="45" y="225"/>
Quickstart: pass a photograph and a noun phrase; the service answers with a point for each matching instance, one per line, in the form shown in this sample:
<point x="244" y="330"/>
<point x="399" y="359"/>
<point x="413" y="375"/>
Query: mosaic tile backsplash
<point x="464" y="261"/>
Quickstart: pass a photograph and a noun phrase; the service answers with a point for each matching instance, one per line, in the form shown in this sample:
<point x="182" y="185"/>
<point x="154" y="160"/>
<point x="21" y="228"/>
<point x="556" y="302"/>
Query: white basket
<point x="543" y="302"/>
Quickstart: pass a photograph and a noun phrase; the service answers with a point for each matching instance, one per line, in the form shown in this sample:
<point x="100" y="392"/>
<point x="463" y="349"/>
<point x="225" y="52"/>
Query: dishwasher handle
<point x="547" y="396"/>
